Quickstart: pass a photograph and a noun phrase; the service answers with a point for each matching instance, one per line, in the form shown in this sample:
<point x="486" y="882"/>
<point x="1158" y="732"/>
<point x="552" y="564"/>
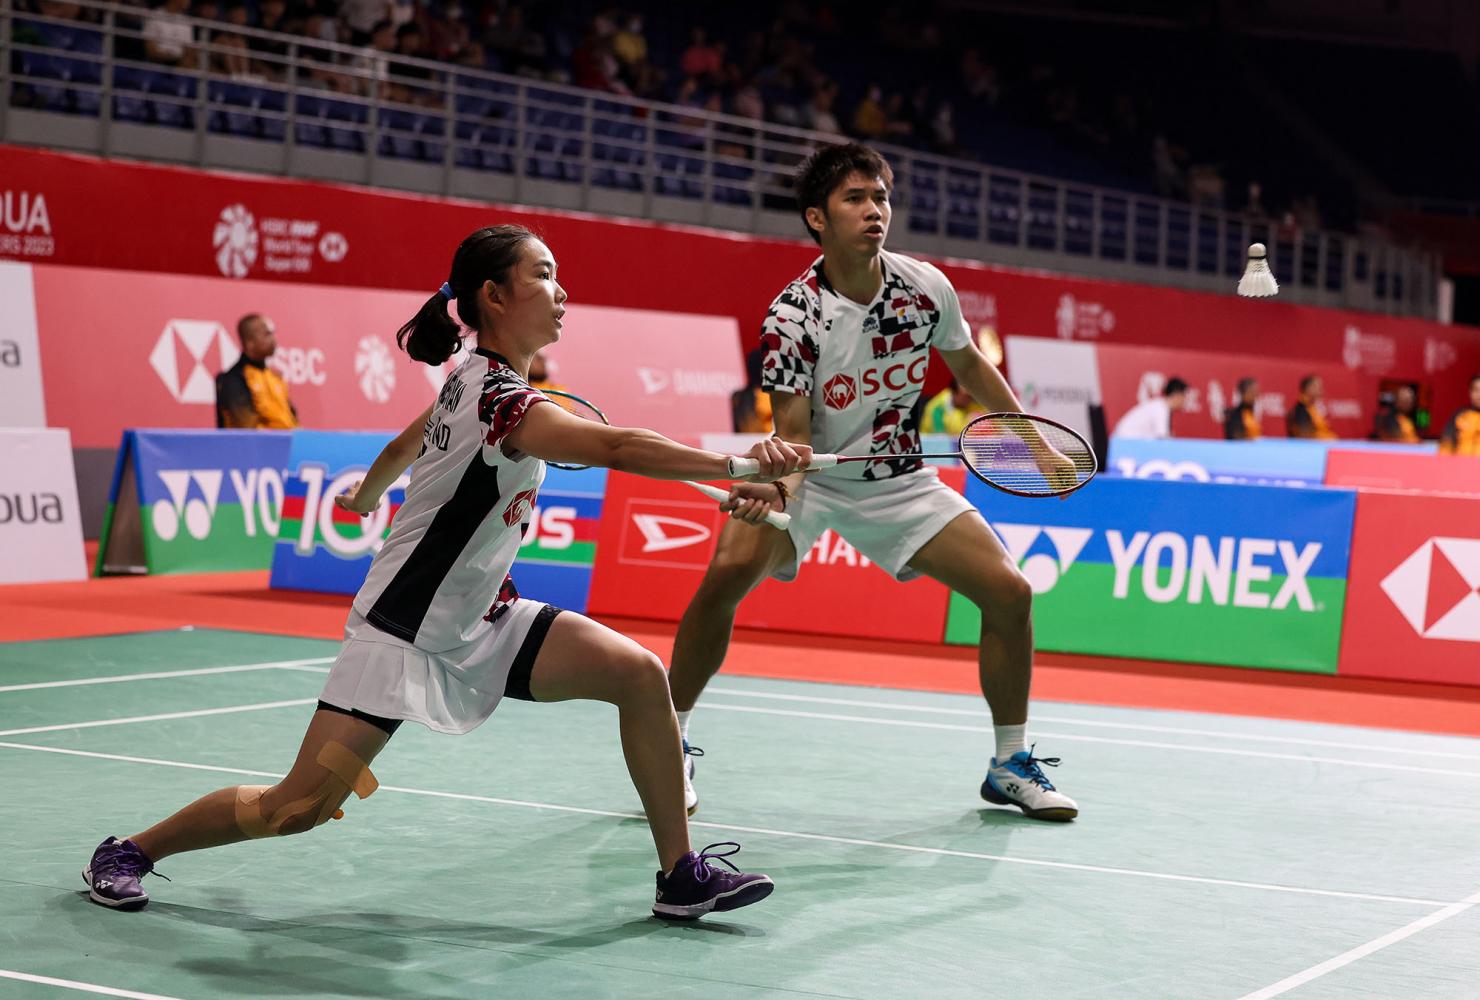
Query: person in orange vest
<point x="1307" y="418"/>
<point x="1397" y="423"/>
<point x="1461" y="435"/>
<point x="1241" y="423"/>
<point x="249" y="394"/>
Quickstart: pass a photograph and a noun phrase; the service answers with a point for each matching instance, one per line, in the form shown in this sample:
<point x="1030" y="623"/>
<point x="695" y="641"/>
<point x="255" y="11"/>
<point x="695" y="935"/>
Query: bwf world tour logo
<point x="1435" y="589"/>
<point x="235" y="240"/>
<point x="376" y="368"/>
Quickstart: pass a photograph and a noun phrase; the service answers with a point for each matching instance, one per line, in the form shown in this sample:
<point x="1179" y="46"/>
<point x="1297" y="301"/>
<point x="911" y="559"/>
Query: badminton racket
<point x="1017" y="453"/>
<point x="587" y="410"/>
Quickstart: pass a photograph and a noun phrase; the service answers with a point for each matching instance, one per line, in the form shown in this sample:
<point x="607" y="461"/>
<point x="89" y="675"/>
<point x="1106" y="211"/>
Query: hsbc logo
<point x="667" y="533"/>
<point x="1435" y="589"/>
<point x="1043" y="569"/>
<point x="847" y="388"/>
<point x="186" y="352"/>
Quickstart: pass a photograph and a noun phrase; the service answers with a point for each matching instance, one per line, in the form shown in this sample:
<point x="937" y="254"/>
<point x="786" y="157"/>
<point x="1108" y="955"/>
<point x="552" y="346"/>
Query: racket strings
<point x="1024" y="455"/>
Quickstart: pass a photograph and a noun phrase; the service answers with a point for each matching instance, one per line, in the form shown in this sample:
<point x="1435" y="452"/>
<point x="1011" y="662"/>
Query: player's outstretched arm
<point x="364" y="496"/>
<point x="548" y="432"/>
<point x="751" y="502"/>
<point x="981" y="378"/>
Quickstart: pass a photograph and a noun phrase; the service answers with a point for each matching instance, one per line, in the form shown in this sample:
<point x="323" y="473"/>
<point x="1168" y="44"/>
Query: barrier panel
<point x="1261" y="463"/>
<point x="40" y="524"/>
<point x="1426" y="473"/>
<point x="1413" y="610"/>
<point x="1201" y="573"/>
<point x="656" y="539"/>
<point x="323" y="548"/>
<point x="193" y="501"/>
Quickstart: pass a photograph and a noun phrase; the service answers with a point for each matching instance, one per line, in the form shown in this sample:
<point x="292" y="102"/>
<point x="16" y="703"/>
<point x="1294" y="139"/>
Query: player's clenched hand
<point x="351" y="501"/>
<point x="777" y="458"/>
<point x="751" y="502"/>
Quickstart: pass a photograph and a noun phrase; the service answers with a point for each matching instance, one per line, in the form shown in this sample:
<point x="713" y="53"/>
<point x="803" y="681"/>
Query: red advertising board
<point x="1380" y="470"/>
<point x="1129" y="375"/>
<point x="127" y="349"/>
<point x="656" y="539"/>
<point x="1413" y="589"/>
<point x="242" y="227"/>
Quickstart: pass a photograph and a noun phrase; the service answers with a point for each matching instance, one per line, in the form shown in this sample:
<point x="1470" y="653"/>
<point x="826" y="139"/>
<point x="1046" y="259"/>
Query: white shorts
<point x="453" y="691"/>
<point x="887" y="520"/>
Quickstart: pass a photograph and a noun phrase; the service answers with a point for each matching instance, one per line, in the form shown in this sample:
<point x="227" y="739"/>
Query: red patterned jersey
<point x="863" y="365"/>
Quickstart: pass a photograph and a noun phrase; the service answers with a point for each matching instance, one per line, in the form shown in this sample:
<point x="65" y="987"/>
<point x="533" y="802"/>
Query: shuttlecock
<point x="1257" y="281"/>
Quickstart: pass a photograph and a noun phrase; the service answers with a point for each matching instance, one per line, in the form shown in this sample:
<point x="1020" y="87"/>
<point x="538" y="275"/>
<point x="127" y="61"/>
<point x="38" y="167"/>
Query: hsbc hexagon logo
<point x="1435" y="589"/>
<point x="186" y="354"/>
<point x="840" y="392"/>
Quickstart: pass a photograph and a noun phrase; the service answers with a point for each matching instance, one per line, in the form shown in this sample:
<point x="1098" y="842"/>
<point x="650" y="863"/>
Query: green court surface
<point x="1215" y="857"/>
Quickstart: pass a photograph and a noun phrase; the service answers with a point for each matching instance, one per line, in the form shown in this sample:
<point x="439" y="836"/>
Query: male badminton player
<point x="846" y="348"/>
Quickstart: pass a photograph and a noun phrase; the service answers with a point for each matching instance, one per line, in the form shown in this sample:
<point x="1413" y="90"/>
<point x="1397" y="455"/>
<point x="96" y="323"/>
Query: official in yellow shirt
<point x="249" y="394"/>
<point x="1397" y="424"/>
<point x="949" y="411"/>
<point x="1241" y="422"/>
<point x="1307" y="418"/>
<point x="1462" y="434"/>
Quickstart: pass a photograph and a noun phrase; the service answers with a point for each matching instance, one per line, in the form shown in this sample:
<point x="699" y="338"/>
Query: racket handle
<point x="775" y="519"/>
<point x="740" y="467"/>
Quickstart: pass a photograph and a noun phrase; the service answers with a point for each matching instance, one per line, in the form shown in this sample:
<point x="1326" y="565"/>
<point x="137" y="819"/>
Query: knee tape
<point x="347" y="773"/>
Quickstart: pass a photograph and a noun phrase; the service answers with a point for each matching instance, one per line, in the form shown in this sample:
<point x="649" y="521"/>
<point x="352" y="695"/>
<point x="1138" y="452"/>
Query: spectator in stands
<point x="1307" y="418"/>
<point x="1241" y="422"/>
<point x="249" y="394"/>
<point x="230" y="52"/>
<point x="750" y="407"/>
<point x="1152" y="419"/>
<point x="1461" y="436"/>
<point x="361" y="17"/>
<point x="271" y="53"/>
<point x="949" y="411"/>
<point x="1396" y="423"/>
<point x="820" y="117"/>
<point x="168" y="35"/>
<point x="520" y="48"/>
<point x="409" y="80"/>
<point x="897" y="125"/>
<point x="701" y="61"/>
<point x="630" y="45"/>
<point x="869" y="119"/>
<point x="372" y="65"/>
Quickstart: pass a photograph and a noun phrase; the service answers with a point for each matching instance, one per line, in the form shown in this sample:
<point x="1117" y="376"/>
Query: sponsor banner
<point x="1130" y="375"/>
<point x="169" y="336"/>
<point x="1425" y="473"/>
<point x="656" y="540"/>
<point x="1199" y="573"/>
<point x="40" y="523"/>
<point x="1281" y="462"/>
<point x="240" y="227"/>
<point x="21" y="402"/>
<point x="1413" y="612"/>
<point x="1056" y="380"/>
<point x="323" y="548"/>
<point x="194" y="501"/>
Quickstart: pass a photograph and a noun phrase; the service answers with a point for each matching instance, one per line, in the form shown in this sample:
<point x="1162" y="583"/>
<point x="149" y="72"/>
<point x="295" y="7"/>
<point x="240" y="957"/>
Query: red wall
<point x="143" y="217"/>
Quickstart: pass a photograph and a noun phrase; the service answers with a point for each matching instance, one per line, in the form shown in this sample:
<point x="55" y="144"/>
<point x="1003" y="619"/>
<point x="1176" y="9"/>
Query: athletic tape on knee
<point x="345" y="765"/>
<point x="248" y="815"/>
<point x="347" y="772"/>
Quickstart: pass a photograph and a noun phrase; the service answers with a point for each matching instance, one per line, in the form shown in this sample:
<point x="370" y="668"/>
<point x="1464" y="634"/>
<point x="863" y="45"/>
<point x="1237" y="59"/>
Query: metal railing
<point x="322" y="110"/>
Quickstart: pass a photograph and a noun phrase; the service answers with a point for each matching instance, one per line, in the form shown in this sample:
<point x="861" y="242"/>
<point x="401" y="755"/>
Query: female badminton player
<point x="438" y="634"/>
<point x="847" y="345"/>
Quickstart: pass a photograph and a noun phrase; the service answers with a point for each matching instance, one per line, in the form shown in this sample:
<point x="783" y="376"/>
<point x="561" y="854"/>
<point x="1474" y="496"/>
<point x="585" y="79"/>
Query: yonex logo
<point x="180" y="355"/>
<point x="1435" y="589"/>
<point x="840" y="392"/>
<point x="196" y="512"/>
<point x="1041" y="569"/>
<point x="662" y="534"/>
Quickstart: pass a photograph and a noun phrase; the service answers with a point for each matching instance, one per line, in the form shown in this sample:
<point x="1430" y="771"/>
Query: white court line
<point x="1129" y="726"/>
<point x="789" y="834"/>
<point x="72" y="984"/>
<point x="163" y="716"/>
<point x="163" y="674"/>
<point x="1073" y="737"/>
<point x="1362" y="951"/>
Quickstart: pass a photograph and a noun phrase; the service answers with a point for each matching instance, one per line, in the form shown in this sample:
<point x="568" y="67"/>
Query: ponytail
<point x="431" y="336"/>
<point x="487" y="254"/>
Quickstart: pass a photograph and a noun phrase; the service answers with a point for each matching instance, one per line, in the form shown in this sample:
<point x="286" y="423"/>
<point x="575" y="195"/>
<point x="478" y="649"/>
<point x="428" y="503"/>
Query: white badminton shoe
<point x="690" y="797"/>
<point x="1020" y="781"/>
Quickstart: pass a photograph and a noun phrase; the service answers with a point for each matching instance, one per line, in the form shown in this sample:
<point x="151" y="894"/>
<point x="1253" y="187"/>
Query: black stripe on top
<point x="403" y="605"/>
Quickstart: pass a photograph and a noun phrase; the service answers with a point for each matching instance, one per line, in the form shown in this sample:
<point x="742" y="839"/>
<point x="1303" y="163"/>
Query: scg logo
<point x="846" y="388"/>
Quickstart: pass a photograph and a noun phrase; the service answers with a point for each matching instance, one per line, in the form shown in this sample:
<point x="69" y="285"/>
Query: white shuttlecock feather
<point x="1258" y="281"/>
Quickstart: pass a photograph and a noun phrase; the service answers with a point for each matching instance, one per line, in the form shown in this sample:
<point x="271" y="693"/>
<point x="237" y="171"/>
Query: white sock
<point x="1010" y="740"/>
<point x="683" y="724"/>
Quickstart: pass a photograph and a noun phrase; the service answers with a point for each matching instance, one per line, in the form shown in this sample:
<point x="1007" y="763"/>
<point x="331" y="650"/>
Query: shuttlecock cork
<point x="1258" y="281"/>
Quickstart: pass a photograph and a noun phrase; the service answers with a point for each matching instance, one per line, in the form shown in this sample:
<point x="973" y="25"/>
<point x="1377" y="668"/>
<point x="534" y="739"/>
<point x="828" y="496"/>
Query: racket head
<point x="576" y="406"/>
<point x="1027" y="455"/>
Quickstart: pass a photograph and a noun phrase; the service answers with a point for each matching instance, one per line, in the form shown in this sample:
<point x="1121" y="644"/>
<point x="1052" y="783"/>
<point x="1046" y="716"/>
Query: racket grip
<point x="822" y="462"/>
<point x="742" y="467"/>
<point x="775" y="519"/>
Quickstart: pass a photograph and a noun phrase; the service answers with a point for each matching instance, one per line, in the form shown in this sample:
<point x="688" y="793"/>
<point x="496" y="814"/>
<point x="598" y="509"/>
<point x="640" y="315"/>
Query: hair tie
<point x="446" y="291"/>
